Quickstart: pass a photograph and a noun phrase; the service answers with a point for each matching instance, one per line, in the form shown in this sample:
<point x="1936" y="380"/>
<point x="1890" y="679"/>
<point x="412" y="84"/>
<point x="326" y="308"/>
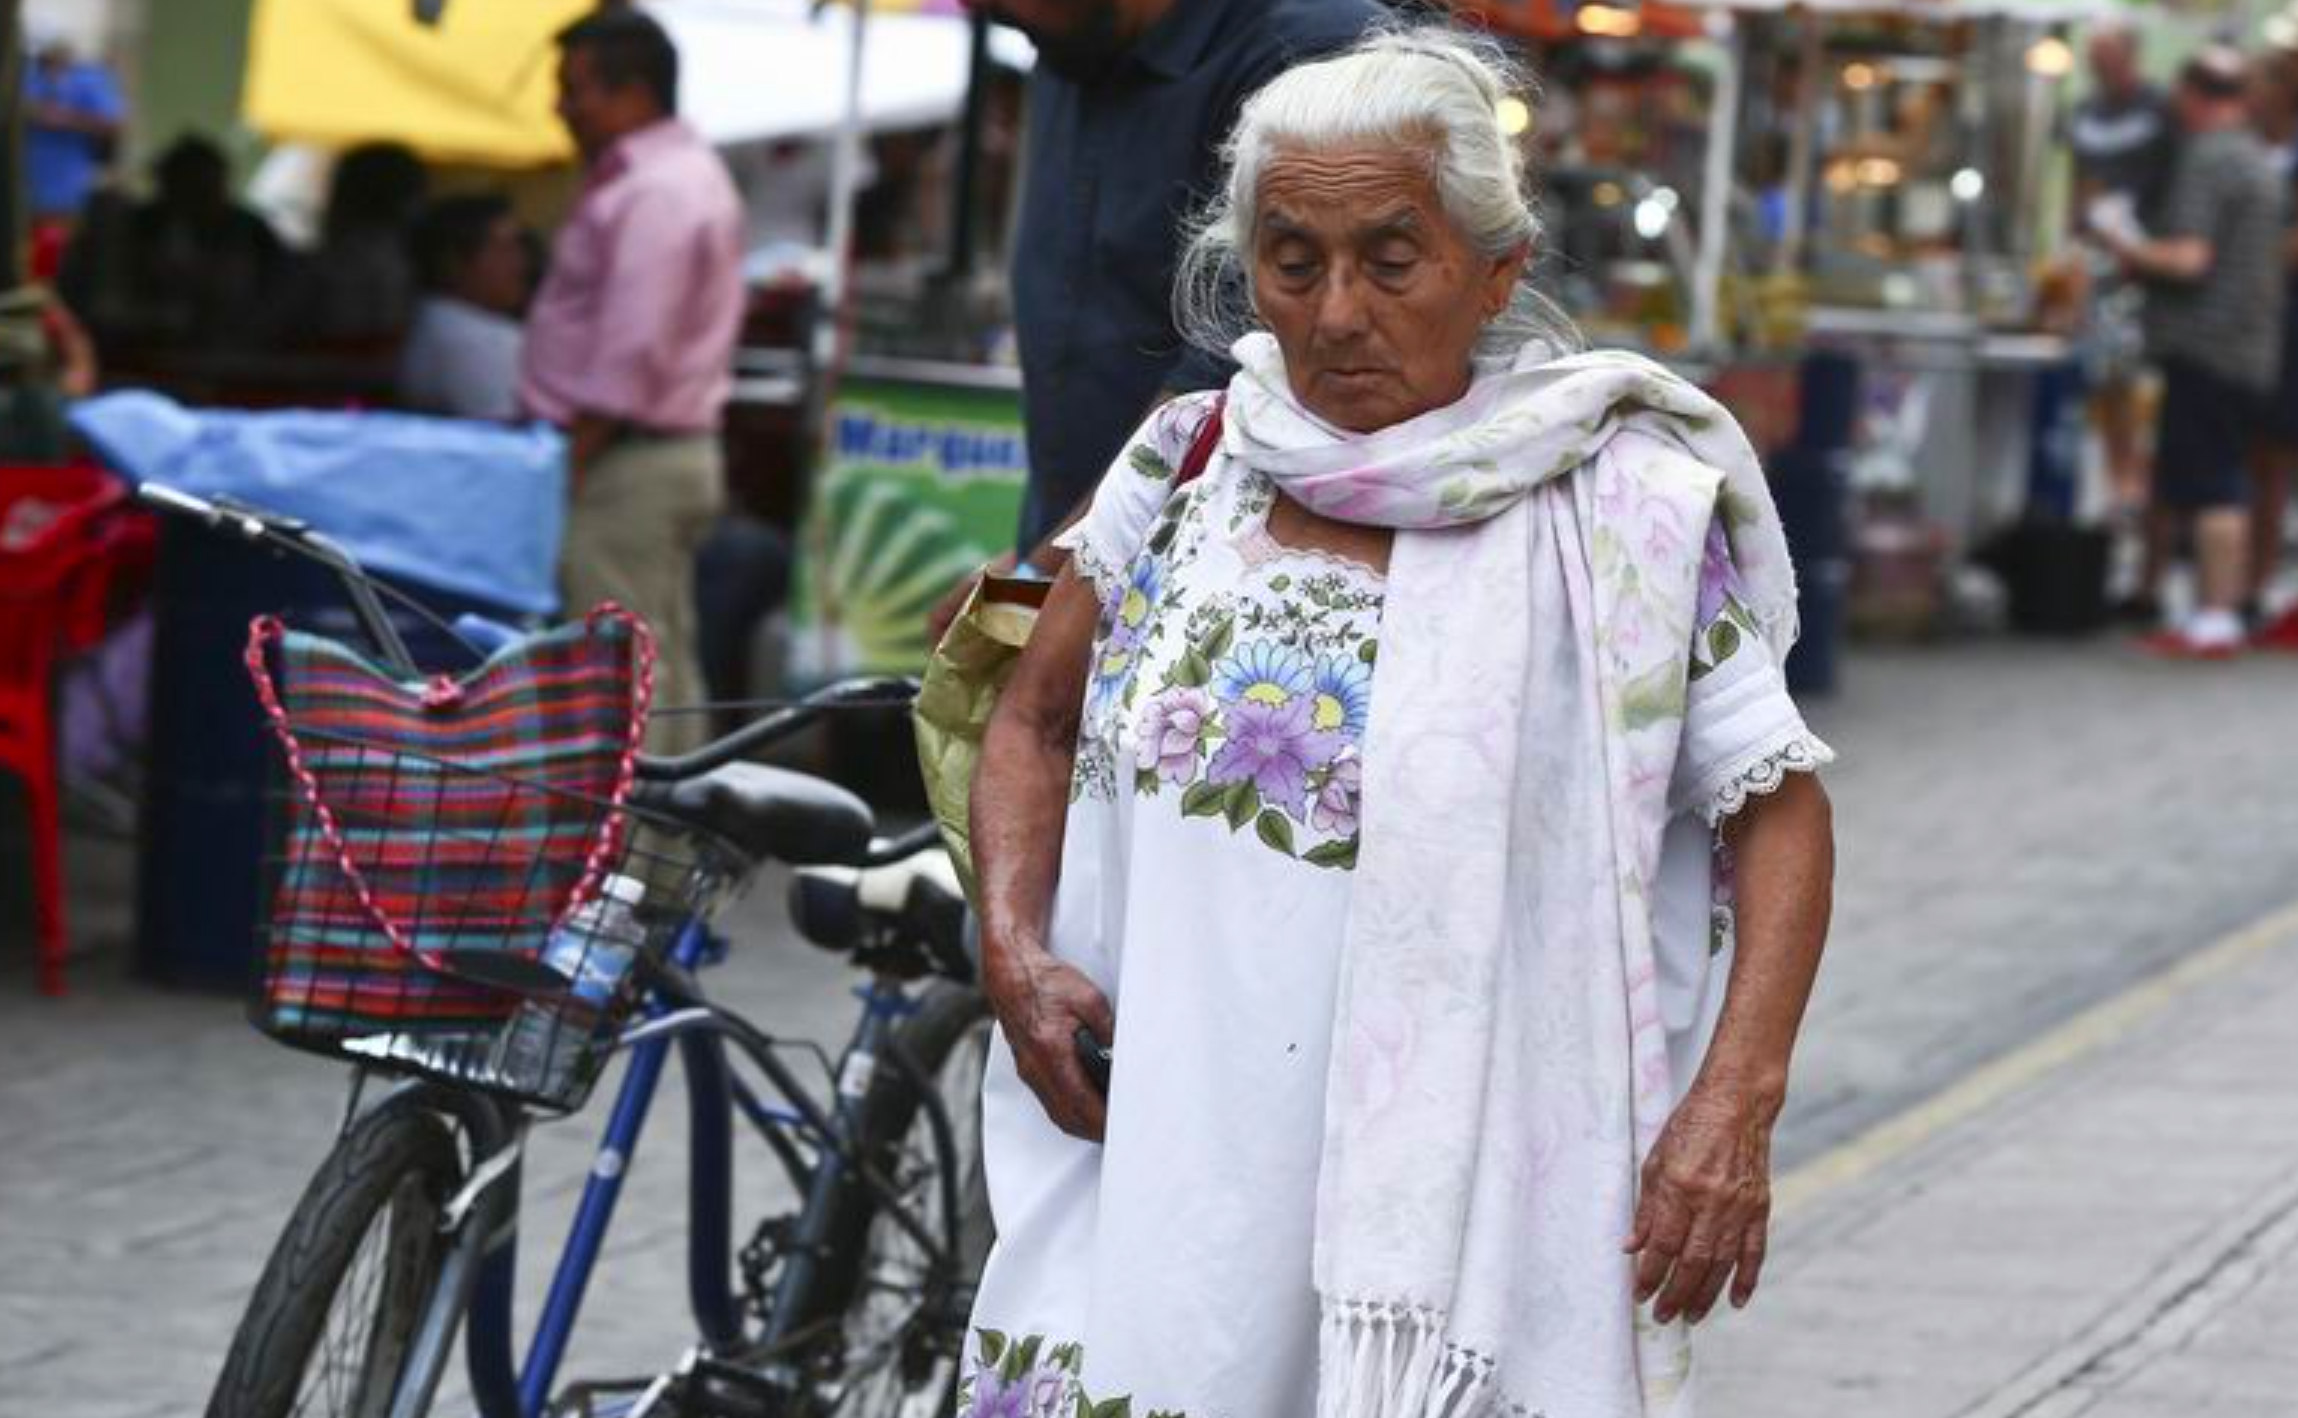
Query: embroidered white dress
<point x="1204" y="887"/>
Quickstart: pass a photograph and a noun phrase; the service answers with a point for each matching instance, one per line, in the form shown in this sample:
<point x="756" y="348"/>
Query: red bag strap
<point x="266" y="631"/>
<point x="1203" y="444"/>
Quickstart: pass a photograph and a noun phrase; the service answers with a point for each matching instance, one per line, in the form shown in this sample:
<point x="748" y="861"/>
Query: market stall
<point x="1739" y="186"/>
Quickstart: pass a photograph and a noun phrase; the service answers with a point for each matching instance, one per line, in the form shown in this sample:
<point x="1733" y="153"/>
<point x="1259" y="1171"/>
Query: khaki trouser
<point x="639" y="511"/>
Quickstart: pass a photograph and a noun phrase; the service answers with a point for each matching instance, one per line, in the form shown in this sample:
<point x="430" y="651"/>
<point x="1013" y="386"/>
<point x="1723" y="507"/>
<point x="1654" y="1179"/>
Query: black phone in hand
<point x="1095" y="1057"/>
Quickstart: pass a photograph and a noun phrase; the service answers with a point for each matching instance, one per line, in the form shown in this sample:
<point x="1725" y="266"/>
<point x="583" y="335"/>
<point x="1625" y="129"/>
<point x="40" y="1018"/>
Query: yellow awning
<point x="476" y="89"/>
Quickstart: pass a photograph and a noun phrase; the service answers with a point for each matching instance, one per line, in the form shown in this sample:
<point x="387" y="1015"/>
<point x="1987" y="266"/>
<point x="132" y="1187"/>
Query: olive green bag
<point x="963" y="680"/>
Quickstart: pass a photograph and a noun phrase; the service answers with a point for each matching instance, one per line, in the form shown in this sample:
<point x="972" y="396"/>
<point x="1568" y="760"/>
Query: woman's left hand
<point x="1703" y="1213"/>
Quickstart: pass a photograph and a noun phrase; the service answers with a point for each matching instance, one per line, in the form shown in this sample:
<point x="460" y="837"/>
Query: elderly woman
<point x="1413" y="802"/>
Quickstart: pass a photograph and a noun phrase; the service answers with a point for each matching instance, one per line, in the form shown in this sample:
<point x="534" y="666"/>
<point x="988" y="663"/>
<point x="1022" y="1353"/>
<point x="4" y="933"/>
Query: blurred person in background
<point x="461" y="358"/>
<point x="72" y="114"/>
<point x="46" y="360"/>
<point x="190" y="271"/>
<point x="630" y="344"/>
<point x="356" y="291"/>
<point x="2124" y="137"/>
<point x="1127" y="109"/>
<point x="2275" y="457"/>
<point x="2213" y="267"/>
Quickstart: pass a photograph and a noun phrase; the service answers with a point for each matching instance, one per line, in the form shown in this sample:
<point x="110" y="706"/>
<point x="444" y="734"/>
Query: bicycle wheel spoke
<point x="348" y="1326"/>
<point x="897" y="1305"/>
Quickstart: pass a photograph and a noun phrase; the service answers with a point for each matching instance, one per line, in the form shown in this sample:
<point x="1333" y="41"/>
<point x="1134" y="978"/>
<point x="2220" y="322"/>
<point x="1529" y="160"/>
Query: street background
<point x="2041" y="1157"/>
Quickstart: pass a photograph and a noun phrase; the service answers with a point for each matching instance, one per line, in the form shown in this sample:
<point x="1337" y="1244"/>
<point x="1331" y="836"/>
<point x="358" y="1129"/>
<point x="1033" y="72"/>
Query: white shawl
<point x="1499" y="1063"/>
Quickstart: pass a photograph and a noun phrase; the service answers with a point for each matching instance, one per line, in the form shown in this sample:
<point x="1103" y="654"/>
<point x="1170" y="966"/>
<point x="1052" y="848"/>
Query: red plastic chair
<point x="64" y="533"/>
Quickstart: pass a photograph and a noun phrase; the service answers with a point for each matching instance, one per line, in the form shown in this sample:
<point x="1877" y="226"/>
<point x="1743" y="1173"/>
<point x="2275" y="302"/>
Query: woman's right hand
<point x="1041" y="1003"/>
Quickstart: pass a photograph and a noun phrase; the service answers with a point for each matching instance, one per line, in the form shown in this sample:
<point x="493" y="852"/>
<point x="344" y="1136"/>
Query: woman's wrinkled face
<point x="1374" y="297"/>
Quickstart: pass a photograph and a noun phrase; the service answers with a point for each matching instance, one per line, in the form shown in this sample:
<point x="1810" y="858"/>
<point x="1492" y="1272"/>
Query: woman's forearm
<point x="1020" y="799"/>
<point x="1019" y="807"/>
<point x="1784" y="851"/>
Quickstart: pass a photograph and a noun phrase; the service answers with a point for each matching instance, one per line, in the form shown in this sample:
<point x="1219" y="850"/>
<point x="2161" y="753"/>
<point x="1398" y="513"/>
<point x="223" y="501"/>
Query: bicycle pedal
<point x="713" y="1388"/>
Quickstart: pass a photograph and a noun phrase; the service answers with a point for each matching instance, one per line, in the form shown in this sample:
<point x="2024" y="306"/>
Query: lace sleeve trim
<point x="1761" y="772"/>
<point x="1096" y="567"/>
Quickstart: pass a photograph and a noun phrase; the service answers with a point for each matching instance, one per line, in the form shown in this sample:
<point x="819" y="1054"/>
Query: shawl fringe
<point x="1377" y="1359"/>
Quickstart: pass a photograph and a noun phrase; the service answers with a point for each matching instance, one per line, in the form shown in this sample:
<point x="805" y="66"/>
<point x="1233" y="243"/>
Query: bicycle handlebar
<point x="296" y="537"/>
<point x="292" y="535"/>
<point x="887" y="691"/>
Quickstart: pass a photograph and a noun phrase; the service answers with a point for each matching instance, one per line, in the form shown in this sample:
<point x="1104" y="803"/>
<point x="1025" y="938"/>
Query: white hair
<point x="1428" y="87"/>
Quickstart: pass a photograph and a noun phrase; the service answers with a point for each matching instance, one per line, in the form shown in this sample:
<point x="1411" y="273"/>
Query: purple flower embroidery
<point x="1275" y="746"/>
<point x="1337" y="802"/>
<point x="1171" y="728"/>
<point x="1036" y="1393"/>
<point x="995" y="1398"/>
<point x="1719" y="581"/>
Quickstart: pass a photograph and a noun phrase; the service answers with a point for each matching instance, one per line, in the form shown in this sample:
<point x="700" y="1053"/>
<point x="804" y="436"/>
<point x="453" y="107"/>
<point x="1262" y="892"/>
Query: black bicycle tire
<point x="287" y="1313"/>
<point x="947" y="1013"/>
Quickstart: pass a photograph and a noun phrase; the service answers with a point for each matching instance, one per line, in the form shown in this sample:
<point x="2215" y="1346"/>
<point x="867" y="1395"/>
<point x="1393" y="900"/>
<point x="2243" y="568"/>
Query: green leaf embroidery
<point x="1203" y="800"/>
<point x="1114" y="1408"/>
<point x="1723" y="640"/>
<point x="1652" y="698"/>
<point x="1021" y="1360"/>
<point x="1280" y="584"/>
<point x="1191" y="671"/>
<point x="1367" y="650"/>
<point x="1148" y="463"/>
<point x="1276" y="830"/>
<point x="1145" y="781"/>
<point x="1239" y="802"/>
<point x="1340" y="855"/>
<point x="1224" y="635"/>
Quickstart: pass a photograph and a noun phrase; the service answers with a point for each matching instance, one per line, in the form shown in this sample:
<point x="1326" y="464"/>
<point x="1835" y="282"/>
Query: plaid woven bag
<point x="432" y="826"/>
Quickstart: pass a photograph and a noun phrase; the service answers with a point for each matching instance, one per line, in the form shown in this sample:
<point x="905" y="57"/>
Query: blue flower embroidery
<point x="1139" y="597"/>
<point x="1343" y="689"/>
<point x="1263" y="672"/>
<point x="1125" y="625"/>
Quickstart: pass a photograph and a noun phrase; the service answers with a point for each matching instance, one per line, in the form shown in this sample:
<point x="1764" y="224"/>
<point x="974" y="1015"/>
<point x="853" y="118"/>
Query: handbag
<point x="435" y="833"/>
<point x="970" y="668"/>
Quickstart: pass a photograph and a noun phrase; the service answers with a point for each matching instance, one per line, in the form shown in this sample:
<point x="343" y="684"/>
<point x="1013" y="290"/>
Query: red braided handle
<point x="265" y="631"/>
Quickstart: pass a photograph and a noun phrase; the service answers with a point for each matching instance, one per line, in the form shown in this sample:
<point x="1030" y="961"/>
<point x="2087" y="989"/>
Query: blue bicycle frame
<point x="477" y="1282"/>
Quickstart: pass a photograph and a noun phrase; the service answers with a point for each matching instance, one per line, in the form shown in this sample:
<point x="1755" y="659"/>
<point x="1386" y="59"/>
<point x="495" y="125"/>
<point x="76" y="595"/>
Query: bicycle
<point x="854" y="1306"/>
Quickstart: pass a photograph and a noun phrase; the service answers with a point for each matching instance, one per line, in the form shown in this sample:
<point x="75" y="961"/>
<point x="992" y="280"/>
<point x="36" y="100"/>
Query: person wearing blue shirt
<point x="72" y="114"/>
<point x="1128" y="106"/>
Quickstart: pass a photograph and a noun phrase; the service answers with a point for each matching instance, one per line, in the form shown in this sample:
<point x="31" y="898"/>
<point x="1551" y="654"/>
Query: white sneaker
<point x="2214" y="629"/>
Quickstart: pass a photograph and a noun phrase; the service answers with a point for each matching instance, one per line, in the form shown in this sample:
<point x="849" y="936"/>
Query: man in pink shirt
<point x="630" y="342"/>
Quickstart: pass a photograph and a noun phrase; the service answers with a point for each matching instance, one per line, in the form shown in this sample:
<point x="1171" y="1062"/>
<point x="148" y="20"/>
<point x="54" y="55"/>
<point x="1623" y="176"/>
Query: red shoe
<point x="2280" y="633"/>
<point x="2177" y="645"/>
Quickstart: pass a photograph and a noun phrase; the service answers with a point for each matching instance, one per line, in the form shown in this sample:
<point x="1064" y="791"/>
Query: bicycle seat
<point x="769" y="812"/>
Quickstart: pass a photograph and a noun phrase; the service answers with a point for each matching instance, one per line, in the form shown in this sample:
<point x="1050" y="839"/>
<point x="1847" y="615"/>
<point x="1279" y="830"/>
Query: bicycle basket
<point x="458" y="889"/>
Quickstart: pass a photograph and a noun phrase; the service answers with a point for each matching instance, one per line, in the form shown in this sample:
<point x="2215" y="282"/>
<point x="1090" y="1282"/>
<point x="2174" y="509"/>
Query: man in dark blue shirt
<point x="1128" y="107"/>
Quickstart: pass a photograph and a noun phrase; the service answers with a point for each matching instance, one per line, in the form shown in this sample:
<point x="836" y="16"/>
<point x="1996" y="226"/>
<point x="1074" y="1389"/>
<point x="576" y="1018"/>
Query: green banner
<point x="921" y="484"/>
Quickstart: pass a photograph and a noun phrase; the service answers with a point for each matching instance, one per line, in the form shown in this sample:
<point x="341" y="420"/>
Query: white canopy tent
<point x="759" y="70"/>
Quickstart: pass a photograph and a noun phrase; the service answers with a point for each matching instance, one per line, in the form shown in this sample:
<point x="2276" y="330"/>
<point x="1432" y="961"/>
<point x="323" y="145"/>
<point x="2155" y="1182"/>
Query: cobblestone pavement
<point x="2027" y="831"/>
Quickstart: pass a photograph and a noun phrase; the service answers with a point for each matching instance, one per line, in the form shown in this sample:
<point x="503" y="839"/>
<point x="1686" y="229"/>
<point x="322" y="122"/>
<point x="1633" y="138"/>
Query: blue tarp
<point x="476" y="509"/>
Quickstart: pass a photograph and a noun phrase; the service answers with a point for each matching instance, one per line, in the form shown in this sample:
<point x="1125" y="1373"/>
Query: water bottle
<point x="592" y="950"/>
